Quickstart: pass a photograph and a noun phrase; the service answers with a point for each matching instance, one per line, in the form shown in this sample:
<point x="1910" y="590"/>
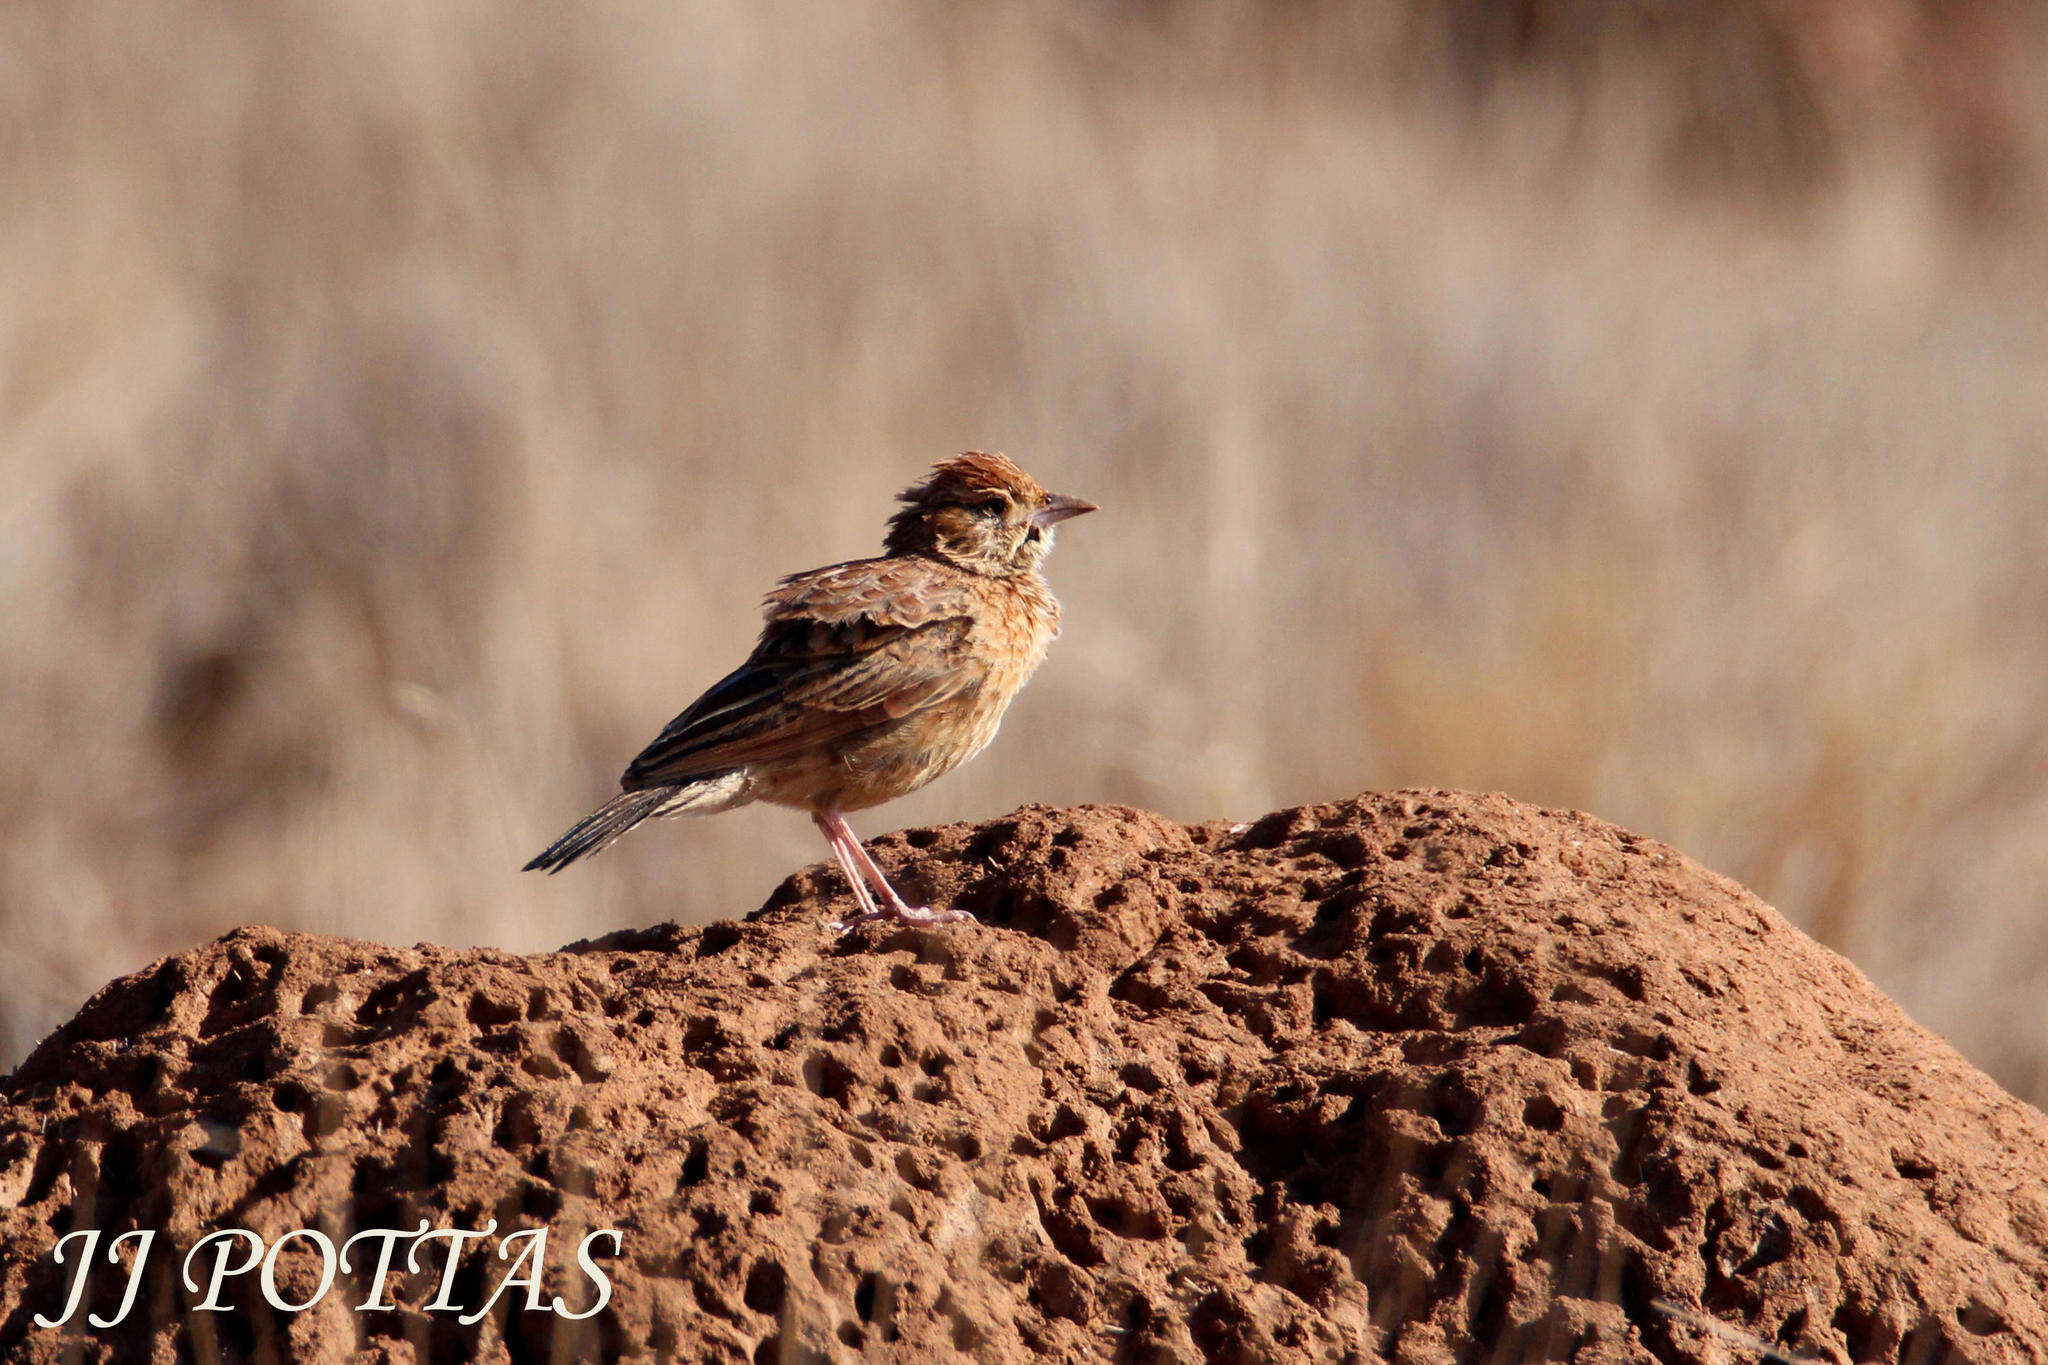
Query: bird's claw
<point x="919" y="915"/>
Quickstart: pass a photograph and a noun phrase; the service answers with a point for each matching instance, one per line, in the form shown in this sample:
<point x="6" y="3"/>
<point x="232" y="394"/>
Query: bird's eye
<point x="992" y="507"/>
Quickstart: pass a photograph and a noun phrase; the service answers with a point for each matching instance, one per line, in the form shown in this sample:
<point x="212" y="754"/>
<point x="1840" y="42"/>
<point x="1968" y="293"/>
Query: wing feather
<point x="845" y="649"/>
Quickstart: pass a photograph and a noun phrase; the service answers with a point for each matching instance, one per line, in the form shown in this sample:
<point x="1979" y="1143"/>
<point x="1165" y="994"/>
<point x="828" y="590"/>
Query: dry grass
<point x="402" y="408"/>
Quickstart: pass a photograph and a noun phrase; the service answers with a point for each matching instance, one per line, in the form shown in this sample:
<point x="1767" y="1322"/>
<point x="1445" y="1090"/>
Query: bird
<point x="870" y="679"/>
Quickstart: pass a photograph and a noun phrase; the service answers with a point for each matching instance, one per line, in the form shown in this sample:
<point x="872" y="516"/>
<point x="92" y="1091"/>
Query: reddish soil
<point x="1417" y="1077"/>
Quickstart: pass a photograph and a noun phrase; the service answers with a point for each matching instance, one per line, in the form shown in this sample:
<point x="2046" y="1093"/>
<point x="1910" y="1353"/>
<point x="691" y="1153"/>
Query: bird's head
<point x="981" y="513"/>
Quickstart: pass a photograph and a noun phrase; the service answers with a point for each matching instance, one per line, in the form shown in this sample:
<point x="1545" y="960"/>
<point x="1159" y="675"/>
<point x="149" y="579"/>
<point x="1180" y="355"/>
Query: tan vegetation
<point x="402" y="409"/>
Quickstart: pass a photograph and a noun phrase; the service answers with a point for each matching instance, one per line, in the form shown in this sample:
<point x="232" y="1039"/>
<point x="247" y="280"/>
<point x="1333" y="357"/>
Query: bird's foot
<point x="904" y="914"/>
<point x="919" y="914"/>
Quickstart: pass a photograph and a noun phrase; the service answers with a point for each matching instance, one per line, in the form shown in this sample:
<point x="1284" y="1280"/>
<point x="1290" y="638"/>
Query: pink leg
<point x="858" y="866"/>
<point x="847" y="850"/>
<point x="855" y="878"/>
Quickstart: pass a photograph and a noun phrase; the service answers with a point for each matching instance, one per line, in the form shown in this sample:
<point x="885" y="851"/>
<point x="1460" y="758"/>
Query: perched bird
<point x="871" y="678"/>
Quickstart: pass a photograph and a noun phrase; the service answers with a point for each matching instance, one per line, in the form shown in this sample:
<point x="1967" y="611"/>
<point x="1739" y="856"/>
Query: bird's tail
<point x="597" y="829"/>
<point x="702" y="796"/>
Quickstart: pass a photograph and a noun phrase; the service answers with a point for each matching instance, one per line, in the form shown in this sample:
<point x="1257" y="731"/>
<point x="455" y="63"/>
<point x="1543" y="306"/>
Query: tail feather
<point x="599" y="828"/>
<point x="703" y="796"/>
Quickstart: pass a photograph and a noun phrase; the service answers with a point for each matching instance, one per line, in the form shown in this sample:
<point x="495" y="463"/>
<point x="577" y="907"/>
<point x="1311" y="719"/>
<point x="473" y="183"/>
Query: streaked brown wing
<point x="888" y="592"/>
<point x="845" y="648"/>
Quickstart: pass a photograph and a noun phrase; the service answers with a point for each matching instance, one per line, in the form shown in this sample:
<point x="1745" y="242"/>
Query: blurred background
<point x="1637" y="407"/>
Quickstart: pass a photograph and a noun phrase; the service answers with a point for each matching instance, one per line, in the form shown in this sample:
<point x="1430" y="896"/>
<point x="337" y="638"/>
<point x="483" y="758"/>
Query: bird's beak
<point x="1058" y="509"/>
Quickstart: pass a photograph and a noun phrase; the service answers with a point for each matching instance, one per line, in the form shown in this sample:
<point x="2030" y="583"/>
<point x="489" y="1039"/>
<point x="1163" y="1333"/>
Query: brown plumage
<point x="870" y="678"/>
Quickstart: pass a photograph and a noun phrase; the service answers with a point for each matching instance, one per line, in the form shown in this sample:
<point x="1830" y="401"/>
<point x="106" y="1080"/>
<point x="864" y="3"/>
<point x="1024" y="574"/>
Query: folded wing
<point x="845" y="649"/>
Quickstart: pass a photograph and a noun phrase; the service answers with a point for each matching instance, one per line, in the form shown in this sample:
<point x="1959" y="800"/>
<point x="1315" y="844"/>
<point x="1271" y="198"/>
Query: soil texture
<point x="1417" y="1077"/>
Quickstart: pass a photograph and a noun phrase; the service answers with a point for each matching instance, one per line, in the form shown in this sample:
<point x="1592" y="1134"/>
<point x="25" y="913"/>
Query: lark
<point x="870" y="679"/>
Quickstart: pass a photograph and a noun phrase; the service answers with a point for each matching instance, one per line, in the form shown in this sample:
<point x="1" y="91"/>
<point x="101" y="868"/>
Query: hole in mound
<point x="122" y="1167"/>
<point x="1490" y="1313"/>
<point x="1926" y="1346"/>
<point x="1455" y="1110"/>
<point x="1545" y="1035"/>
<point x="1638" y="1297"/>
<point x="220" y="1142"/>
<point x="1812" y="1204"/>
<point x="165" y="988"/>
<point x="1631" y="979"/>
<point x="829" y="1078"/>
<point x="1861" y="1331"/>
<point x="1979" y="1319"/>
<point x="444" y="1081"/>
<point x="767" y="1287"/>
<point x="1065" y="1123"/>
<point x="1125" y="1219"/>
<point x="716" y="938"/>
<point x="485" y="1013"/>
<point x="916" y="1168"/>
<point x="386" y="1004"/>
<point x="1655" y="1046"/>
<point x="1543" y="1113"/>
<point x="865" y="1294"/>
<point x="540" y="1202"/>
<point x="1137" y="1318"/>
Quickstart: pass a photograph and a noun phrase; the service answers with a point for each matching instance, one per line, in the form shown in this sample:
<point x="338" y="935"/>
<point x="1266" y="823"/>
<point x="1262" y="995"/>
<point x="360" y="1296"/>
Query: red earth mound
<point x="1416" y="1077"/>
